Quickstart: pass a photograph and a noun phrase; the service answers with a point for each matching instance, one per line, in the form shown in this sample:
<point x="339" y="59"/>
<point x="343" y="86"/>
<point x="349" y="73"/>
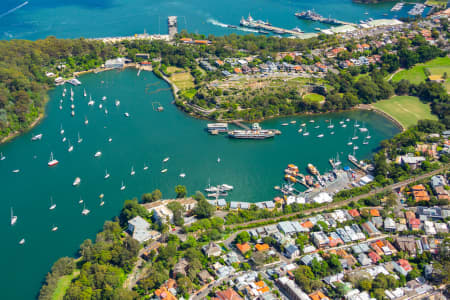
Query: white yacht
<point x="166" y="159"/>
<point x="122" y="187"/>
<point x="54" y="228"/>
<point x="126" y="114"/>
<point x="132" y="171"/>
<point x="22" y="241"/>
<point x="84" y="93"/>
<point x="62" y="130"/>
<point x="86" y="121"/>
<point x="13" y="218"/>
<point x="320" y="135"/>
<point x="2" y="157"/>
<point x="77" y="181"/>
<point x="79" y="138"/>
<point x="80" y="201"/>
<point x="64" y="139"/>
<point x="52" y="162"/>
<point x="97" y="154"/>
<point x="218" y="159"/>
<point x="106" y="174"/>
<point x="70" y="147"/>
<point x="117" y="102"/>
<point x="182" y="175"/>
<point x="163" y="170"/>
<point x="103" y="98"/>
<point x="85" y="211"/>
<point x="145" y="167"/>
<point x="52" y="205"/>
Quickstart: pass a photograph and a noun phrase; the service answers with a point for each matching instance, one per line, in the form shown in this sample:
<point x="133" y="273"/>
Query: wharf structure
<point x="266" y="26"/>
<point x="173" y="26"/>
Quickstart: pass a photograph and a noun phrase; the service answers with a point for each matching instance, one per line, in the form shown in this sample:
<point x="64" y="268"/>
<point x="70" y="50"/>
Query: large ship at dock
<point x="252" y="23"/>
<point x="255" y="133"/>
<point x="313" y="16"/>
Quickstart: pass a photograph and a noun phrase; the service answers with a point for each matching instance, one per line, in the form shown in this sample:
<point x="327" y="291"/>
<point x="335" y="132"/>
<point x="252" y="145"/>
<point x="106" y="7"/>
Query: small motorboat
<point x="22" y="241"/>
<point x="37" y="137"/>
<point x="182" y="175"/>
<point x="126" y="114"/>
<point x="97" y="154"/>
<point x="16" y="171"/>
<point x="77" y="181"/>
<point x="122" y="187"/>
<point x="54" y="228"/>
<point x="320" y="135"/>
<point x="163" y="170"/>
<point x="166" y="159"/>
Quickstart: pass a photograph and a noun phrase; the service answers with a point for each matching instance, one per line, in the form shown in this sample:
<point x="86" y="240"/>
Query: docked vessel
<point x="250" y="22"/>
<point x="312" y="169"/>
<point x="313" y="16"/>
<point x="220" y="127"/>
<point x="255" y="133"/>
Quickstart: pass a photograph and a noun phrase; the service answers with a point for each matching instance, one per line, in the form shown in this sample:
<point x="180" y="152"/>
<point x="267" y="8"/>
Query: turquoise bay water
<point x="99" y="18"/>
<point x="147" y="136"/>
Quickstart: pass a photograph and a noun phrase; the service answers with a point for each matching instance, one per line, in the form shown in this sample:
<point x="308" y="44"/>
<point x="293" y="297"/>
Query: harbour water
<point x="145" y="137"/>
<point x="72" y="19"/>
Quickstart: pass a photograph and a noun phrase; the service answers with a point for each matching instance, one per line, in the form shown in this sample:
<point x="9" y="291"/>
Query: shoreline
<point x="174" y="88"/>
<point x="370" y="107"/>
<point x="36" y="122"/>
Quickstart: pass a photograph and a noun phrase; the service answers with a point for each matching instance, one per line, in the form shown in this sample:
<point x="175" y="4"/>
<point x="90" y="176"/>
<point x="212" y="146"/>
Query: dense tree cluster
<point x="23" y="80"/>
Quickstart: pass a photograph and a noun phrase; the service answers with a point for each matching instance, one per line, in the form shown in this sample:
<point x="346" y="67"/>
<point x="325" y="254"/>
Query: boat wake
<point x="223" y="25"/>
<point x="13" y="9"/>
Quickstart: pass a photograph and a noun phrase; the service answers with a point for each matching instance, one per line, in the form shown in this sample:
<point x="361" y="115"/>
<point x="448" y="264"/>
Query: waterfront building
<point x="116" y="63"/>
<point x="140" y="230"/>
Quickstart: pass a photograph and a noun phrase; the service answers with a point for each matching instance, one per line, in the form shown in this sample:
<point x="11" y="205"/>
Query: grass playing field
<point x="313" y="97"/>
<point x="405" y="109"/>
<point x="416" y="74"/>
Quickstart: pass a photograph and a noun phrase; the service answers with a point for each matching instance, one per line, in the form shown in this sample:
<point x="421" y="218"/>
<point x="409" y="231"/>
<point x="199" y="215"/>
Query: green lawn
<point x="313" y="97"/>
<point x="183" y="80"/>
<point x="63" y="285"/>
<point x="416" y="74"/>
<point x="190" y="93"/>
<point x="406" y="109"/>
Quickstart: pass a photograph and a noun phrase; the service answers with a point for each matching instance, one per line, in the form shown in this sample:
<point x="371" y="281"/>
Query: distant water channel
<point x="72" y="19"/>
<point x="146" y="137"/>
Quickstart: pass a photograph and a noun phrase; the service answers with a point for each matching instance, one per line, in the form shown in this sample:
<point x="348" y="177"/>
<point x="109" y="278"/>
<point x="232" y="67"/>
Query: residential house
<point x="402" y="266"/>
<point x="364" y="260"/>
<point x="180" y="267"/>
<point x="370" y="229"/>
<point x="412" y="161"/>
<point x="414" y="224"/>
<point x="205" y="277"/>
<point x="320" y="239"/>
<point x="318" y="296"/>
<point x="389" y="225"/>
<point x="406" y="244"/>
<point x="262" y="247"/>
<point x="243" y="248"/>
<point x="212" y="249"/>
<point x="228" y="294"/>
<point x="432" y="213"/>
<point x="292" y="251"/>
<point x="115" y="63"/>
<point x="420" y="193"/>
<point x="292" y="290"/>
<point x="140" y="230"/>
